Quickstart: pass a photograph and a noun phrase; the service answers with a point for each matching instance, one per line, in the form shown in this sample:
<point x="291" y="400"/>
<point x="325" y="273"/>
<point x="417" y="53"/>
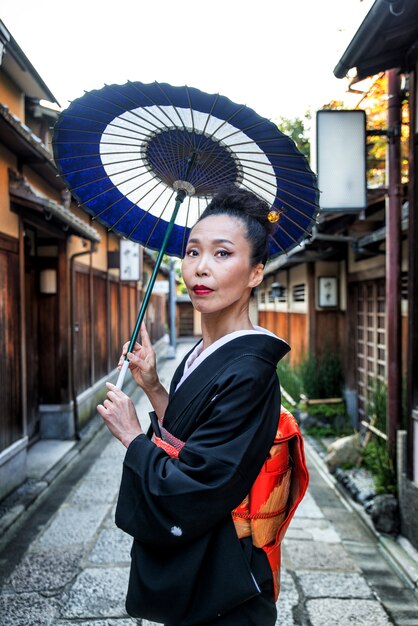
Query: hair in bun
<point x="249" y="209"/>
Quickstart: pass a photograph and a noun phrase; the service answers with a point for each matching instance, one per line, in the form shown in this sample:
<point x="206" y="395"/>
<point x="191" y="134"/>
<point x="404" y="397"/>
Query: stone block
<point x="28" y="609"/>
<point x="104" y="622"/>
<point x="309" y="555"/>
<point x="329" y="612"/>
<point x="385" y="514"/>
<point x="343" y="451"/>
<point x="309" y="508"/>
<point x="288" y="600"/>
<point x="45" y="570"/>
<point x="56" y="421"/>
<point x="112" y="546"/>
<point x="73" y="526"/>
<point x="13" y="467"/>
<point x="334" y="585"/>
<point x="97" y="593"/>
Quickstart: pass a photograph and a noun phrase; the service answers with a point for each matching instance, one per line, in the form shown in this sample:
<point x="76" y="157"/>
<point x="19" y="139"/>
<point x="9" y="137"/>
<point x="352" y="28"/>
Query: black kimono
<point x="188" y="565"/>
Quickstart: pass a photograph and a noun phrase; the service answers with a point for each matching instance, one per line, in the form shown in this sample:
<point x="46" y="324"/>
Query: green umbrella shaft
<point x="179" y="199"/>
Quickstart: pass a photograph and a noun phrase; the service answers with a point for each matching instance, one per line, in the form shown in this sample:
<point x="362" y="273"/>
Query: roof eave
<point x="368" y="29"/>
<point x="17" y="65"/>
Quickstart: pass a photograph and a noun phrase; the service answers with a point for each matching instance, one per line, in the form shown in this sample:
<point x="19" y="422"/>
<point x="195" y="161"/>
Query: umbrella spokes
<point x="127" y="151"/>
<point x="184" y="187"/>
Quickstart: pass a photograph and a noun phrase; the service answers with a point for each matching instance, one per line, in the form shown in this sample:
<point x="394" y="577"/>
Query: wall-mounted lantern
<point x="277" y="290"/>
<point x="341" y="160"/>
<point x="48" y="282"/>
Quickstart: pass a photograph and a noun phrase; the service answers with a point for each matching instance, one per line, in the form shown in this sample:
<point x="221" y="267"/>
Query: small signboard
<point x="130" y="260"/>
<point x="328" y="292"/>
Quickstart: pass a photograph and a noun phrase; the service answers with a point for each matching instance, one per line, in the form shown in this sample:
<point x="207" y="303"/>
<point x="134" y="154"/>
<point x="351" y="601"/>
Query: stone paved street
<point x="66" y="562"/>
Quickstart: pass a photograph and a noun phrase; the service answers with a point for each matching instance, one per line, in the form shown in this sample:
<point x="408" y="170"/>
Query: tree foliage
<point x="297" y="128"/>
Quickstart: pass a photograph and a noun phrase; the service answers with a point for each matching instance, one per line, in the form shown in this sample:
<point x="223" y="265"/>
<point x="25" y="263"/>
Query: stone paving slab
<point x="309" y="508"/>
<point x="288" y="600"/>
<point x="329" y="612"/>
<point x="102" y="622"/>
<point x="316" y="530"/>
<point x="45" y="455"/>
<point x="97" y="593"/>
<point x="334" y="585"/>
<point x="26" y="609"/>
<point x="95" y="489"/>
<point x="44" y="570"/>
<point x="74" y="525"/>
<point x="76" y="570"/>
<point x="112" y="546"/>
<point x="347" y="525"/>
<point x="316" y="556"/>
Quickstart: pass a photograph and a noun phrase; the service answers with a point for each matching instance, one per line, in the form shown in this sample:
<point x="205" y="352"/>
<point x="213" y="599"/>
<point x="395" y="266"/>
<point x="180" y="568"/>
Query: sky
<point x="275" y="56"/>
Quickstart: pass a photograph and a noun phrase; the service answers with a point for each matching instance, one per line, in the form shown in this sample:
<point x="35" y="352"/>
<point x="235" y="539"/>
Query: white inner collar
<point x="199" y="355"/>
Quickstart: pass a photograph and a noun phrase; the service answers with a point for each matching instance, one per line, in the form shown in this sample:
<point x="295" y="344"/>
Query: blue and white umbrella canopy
<point x="124" y="151"/>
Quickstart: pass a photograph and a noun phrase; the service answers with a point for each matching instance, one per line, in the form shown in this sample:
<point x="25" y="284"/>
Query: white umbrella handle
<point x="122" y="374"/>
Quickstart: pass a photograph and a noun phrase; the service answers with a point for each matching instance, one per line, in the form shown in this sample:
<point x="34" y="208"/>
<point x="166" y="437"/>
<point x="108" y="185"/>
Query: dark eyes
<point x="219" y="253"/>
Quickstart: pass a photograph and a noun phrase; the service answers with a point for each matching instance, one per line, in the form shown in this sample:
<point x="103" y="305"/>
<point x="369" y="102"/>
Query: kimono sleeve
<point x="167" y="501"/>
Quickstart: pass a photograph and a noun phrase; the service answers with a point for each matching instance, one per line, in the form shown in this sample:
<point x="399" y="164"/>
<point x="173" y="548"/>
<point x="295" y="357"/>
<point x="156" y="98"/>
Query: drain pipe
<point x="316" y="236"/>
<point x="72" y="336"/>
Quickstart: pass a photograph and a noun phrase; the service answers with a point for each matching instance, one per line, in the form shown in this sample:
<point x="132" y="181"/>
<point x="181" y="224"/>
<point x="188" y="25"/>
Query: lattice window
<point x="370" y="341"/>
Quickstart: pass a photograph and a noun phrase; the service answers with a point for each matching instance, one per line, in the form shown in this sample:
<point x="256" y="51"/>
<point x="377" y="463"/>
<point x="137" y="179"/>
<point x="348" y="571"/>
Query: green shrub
<point x="319" y="432"/>
<point x="308" y="372"/>
<point x="289" y="379"/>
<point x="287" y="405"/>
<point x="376" y="406"/>
<point x="328" y="411"/>
<point x="376" y="460"/>
<point x="321" y="377"/>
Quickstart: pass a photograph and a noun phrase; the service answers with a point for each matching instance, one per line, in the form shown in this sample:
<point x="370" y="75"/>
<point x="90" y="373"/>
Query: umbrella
<point x="131" y="154"/>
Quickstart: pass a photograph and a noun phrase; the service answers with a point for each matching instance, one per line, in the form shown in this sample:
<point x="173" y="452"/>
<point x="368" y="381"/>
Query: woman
<point x="220" y="417"/>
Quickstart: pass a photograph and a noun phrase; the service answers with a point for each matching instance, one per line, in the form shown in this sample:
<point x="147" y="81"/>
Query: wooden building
<point x="329" y="294"/>
<point x="387" y="40"/>
<point x="65" y="309"/>
<point x="354" y="283"/>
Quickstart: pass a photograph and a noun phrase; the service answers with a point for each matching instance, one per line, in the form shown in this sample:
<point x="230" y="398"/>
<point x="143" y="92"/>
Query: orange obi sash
<point x="266" y="512"/>
<point x="268" y="509"/>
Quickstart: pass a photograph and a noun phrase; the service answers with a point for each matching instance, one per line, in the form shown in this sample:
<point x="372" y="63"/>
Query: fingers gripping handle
<point x="122" y="374"/>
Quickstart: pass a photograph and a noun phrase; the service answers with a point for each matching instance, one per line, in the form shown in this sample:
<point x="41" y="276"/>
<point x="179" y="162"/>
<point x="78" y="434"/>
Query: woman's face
<point x="216" y="268"/>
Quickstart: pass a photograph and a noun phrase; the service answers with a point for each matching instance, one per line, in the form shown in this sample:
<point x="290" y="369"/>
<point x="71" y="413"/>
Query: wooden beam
<point x="412" y="357"/>
<point x="393" y="265"/>
<point x="23" y="361"/>
<point x="311" y="308"/>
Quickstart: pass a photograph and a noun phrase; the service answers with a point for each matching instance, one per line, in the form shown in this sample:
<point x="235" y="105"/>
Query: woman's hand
<point x="119" y="415"/>
<point x="142" y="362"/>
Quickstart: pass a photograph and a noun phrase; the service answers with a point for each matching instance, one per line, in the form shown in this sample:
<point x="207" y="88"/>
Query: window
<point x="299" y="293"/>
<point x="404" y="286"/>
<point x="282" y="297"/>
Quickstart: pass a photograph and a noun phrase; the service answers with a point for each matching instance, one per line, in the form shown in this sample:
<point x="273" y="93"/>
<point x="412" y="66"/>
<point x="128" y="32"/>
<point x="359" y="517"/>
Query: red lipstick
<point x="202" y="290"/>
